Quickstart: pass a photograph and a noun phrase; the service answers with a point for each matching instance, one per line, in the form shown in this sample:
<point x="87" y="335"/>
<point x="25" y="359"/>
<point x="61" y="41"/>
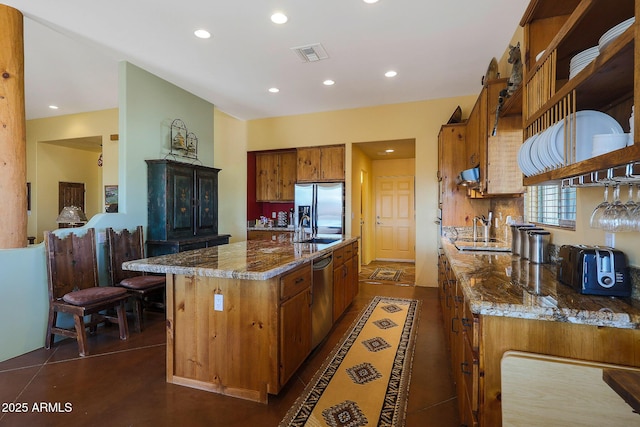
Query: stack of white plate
<point x="581" y="60"/>
<point x="614" y="32"/>
<point x="546" y="150"/>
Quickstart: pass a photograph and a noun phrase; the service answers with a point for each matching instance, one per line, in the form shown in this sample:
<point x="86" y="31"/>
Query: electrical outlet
<point x="101" y="236"/>
<point x="218" y="302"/>
<point x="610" y="240"/>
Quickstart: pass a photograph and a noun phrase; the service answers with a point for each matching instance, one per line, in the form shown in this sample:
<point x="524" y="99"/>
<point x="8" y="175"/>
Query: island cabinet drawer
<point x="294" y="282"/>
<point x="348" y="251"/>
<point x="339" y="257"/>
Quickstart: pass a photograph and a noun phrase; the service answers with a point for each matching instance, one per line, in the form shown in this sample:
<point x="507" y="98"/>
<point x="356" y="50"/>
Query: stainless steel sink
<point x="320" y="240"/>
<point x="478" y="240"/>
<point x="469" y="244"/>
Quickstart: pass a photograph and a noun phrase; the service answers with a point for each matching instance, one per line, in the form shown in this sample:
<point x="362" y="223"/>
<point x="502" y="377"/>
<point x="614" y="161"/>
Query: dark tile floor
<point x="122" y="383"/>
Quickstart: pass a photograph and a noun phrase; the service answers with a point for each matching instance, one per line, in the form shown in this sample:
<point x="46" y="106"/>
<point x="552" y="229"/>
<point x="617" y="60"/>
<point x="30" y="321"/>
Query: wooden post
<point x="13" y="145"/>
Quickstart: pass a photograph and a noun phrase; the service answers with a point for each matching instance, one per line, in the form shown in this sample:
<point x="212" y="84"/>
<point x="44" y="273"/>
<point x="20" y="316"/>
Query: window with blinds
<point x="551" y="205"/>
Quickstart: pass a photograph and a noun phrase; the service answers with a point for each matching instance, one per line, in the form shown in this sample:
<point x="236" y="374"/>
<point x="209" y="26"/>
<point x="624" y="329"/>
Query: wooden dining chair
<point x="126" y="246"/>
<point x="72" y="271"/>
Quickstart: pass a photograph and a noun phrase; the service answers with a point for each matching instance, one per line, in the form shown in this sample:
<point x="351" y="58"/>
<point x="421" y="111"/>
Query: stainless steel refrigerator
<point x="323" y="203"/>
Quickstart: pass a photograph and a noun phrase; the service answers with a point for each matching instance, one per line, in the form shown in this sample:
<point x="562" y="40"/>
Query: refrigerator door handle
<point x="314" y="220"/>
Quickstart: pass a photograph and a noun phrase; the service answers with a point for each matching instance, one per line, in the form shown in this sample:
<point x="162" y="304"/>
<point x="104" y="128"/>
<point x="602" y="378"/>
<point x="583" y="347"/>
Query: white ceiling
<point x="439" y="49"/>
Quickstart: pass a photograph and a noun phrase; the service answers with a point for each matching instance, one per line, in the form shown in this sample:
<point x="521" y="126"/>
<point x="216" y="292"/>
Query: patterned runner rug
<point x="365" y="380"/>
<point x="391" y="274"/>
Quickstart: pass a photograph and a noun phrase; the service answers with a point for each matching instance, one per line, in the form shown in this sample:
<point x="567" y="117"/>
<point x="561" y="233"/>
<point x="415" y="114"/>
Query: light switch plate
<point x="218" y="302"/>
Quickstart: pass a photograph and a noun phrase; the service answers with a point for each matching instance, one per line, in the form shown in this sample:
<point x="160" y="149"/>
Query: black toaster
<point x="594" y="270"/>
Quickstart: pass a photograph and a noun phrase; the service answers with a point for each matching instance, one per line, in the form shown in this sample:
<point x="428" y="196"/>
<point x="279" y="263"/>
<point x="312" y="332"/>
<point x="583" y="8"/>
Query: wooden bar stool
<point x="73" y="288"/>
<point x="126" y="246"/>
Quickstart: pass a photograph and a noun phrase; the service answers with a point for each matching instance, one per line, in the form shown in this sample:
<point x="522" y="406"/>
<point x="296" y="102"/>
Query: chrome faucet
<point x="486" y="223"/>
<point x="301" y="234"/>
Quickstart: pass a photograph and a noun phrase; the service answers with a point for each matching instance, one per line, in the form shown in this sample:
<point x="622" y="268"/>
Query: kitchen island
<point x="239" y="315"/>
<point x="500" y="310"/>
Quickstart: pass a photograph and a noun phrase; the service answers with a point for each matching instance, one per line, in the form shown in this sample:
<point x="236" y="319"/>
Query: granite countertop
<point x="501" y="284"/>
<point x="251" y="260"/>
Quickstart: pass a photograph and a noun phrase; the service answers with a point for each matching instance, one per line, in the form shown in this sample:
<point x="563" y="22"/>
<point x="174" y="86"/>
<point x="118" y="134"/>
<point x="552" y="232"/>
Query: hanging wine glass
<point x="615" y="217"/>
<point x="634" y="216"/>
<point x="631" y="203"/>
<point x="596" y="215"/>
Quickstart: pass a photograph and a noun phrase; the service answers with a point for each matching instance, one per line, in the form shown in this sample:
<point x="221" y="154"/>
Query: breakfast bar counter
<point x="239" y="315"/>
<point x="250" y="260"/>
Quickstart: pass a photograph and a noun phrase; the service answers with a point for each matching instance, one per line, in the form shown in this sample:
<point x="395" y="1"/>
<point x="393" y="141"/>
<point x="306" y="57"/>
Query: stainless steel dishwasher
<point x="322" y="299"/>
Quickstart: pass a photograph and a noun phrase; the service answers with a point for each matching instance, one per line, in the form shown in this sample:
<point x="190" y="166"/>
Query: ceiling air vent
<point x="311" y="53"/>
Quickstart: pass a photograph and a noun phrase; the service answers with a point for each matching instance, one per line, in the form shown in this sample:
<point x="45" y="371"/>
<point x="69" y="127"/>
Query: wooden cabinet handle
<point x="453" y="321"/>
<point x="463" y="365"/>
<point x="466" y="323"/>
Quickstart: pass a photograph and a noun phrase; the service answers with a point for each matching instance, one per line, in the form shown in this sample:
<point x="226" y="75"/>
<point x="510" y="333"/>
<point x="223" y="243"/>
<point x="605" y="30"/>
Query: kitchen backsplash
<point x="456" y="232"/>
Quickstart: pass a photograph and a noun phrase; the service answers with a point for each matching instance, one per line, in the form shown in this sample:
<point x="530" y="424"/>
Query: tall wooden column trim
<point x="13" y="145"/>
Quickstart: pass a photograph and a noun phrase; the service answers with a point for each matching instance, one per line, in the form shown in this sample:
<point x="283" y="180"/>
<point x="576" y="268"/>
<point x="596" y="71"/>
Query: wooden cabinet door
<point x="287" y="176"/>
<point x="502" y="174"/>
<point x="180" y="197"/>
<point x="353" y="279"/>
<point x="308" y="165"/>
<point x="338" y="291"/>
<point x="332" y="163"/>
<point x="457" y="208"/>
<point x="295" y="333"/>
<point x="275" y="176"/>
<point x="473" y="132"/>
<point x="206" y="201"/>
<point x="266" y="177"/>
<point x="318" y="164"/>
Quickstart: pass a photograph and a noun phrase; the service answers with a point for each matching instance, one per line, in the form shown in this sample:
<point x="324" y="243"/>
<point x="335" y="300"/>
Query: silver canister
<point x="539" y="246"/>
<point x="524" y="240"/>
<point x="515" y="237"/>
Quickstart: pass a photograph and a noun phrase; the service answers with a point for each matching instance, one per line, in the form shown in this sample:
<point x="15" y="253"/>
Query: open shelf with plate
<point x="586" y="61"/>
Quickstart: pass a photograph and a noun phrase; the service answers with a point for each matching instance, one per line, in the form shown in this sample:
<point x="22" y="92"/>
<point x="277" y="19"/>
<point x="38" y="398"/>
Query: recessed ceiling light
<point x="389" y="150"/>
<point x="274" y="90"/>
<point x="328" y="82"/>
<point x="53" y="107"/>
<point x="279" y="18"/>
<point x="391" y="73"/>
<point x="370" y="1"/>
<point x="202" y="34"/>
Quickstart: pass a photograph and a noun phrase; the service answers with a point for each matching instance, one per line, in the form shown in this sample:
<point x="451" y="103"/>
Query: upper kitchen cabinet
<point x="182" y="207"/>
<point x="275" y="176"/>
<point x="320" y="164"/>
<point x="494" y="154"/>
<point x="456" y="208"/>
<point x="579" y="62"/>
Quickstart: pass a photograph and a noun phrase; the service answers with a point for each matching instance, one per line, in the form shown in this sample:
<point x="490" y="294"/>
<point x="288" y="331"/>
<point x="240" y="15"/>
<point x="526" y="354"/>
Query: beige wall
<point x="230" y="155"/>
<point x="587" y="199"/>
<point x="362" y="191"/>
<point x="415" y="120"/>
<point x="49" y="164"/>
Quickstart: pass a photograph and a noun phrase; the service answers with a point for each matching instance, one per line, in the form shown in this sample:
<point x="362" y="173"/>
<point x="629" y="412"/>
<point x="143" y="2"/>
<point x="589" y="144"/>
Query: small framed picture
<point x="111" y="198"/>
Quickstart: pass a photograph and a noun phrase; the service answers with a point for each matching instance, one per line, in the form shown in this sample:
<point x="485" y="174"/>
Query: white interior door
<point x="395" y="218"/>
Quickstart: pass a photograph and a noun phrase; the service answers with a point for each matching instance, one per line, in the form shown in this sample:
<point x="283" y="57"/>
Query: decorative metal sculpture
<point x="183" y="143"/>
